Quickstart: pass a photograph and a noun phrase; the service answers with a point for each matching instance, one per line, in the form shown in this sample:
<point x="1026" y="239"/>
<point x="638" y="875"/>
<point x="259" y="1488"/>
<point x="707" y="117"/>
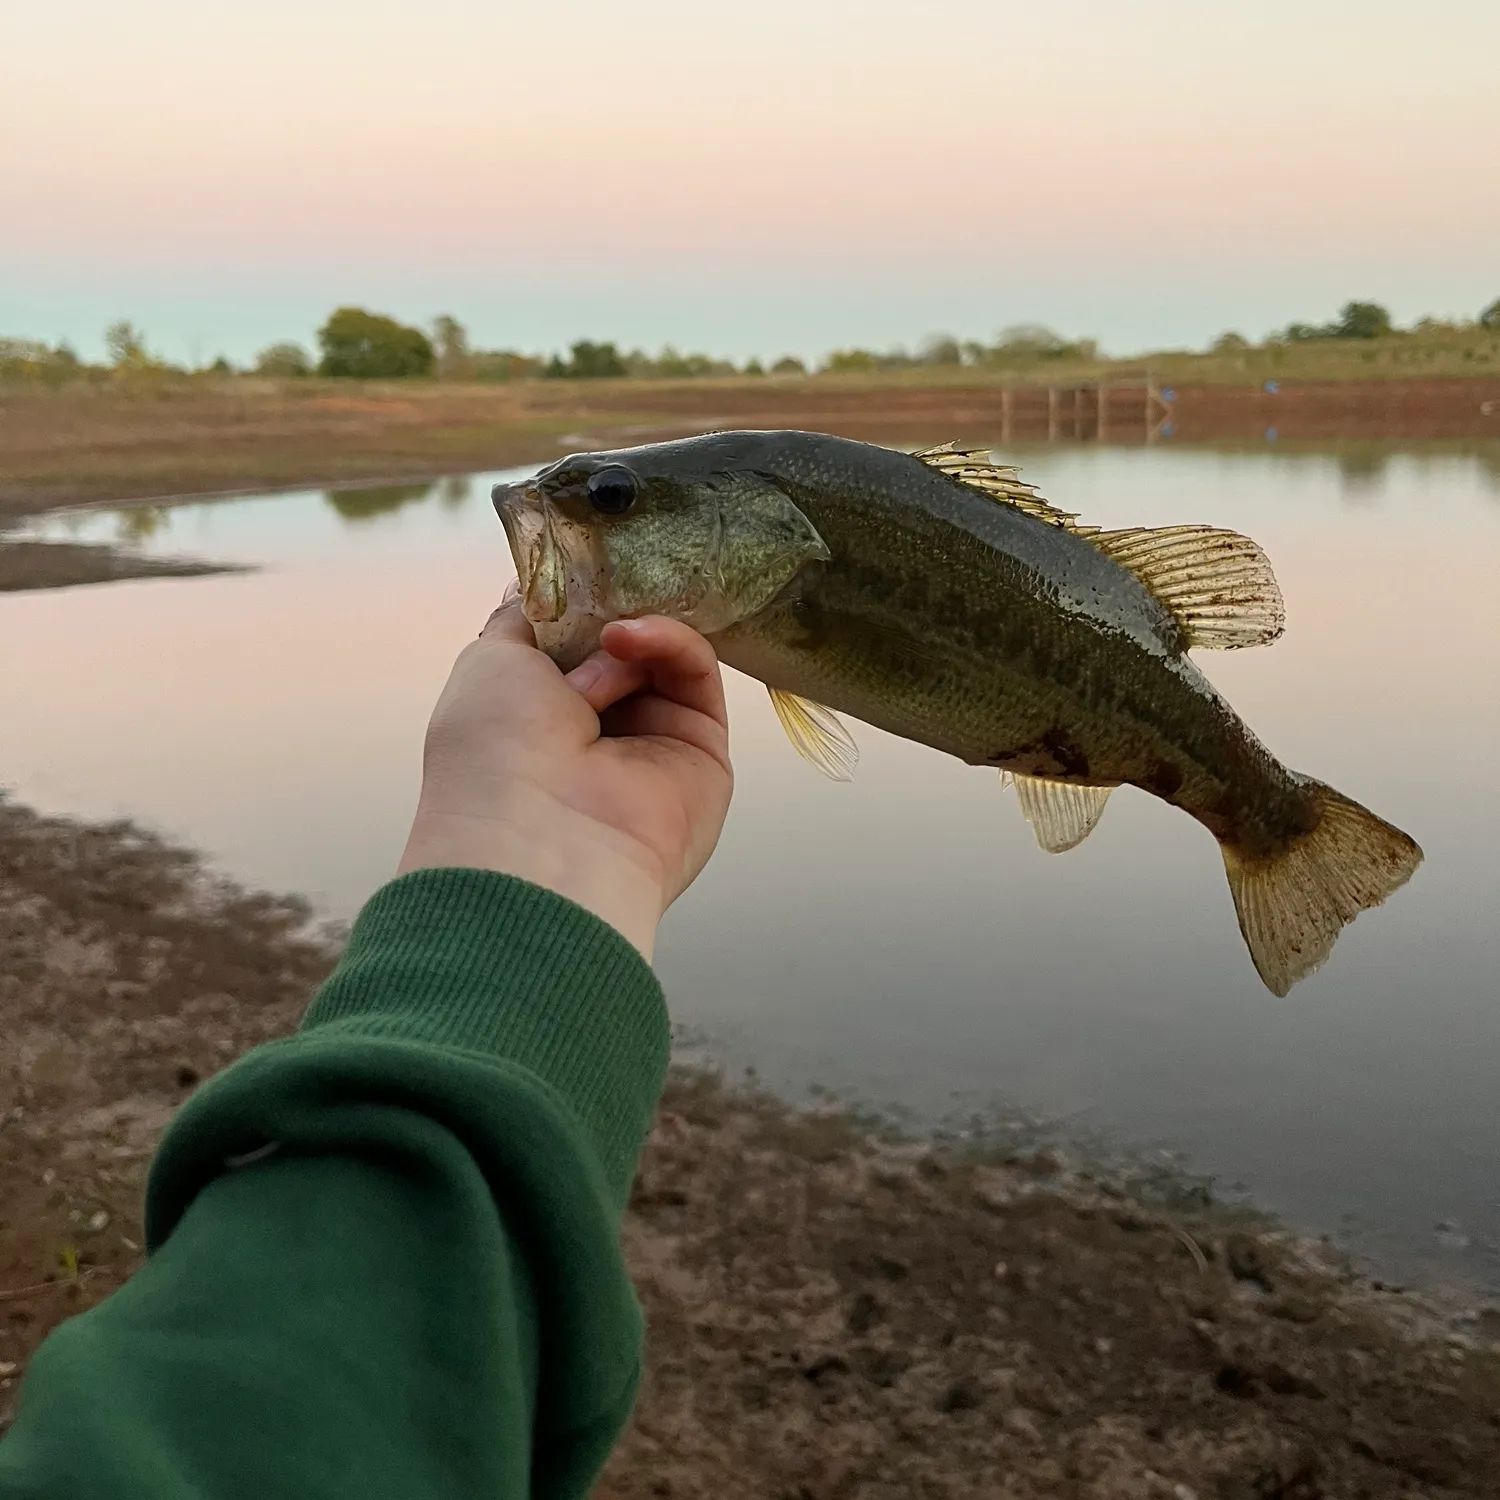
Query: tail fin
<point x="1293" y="905"/>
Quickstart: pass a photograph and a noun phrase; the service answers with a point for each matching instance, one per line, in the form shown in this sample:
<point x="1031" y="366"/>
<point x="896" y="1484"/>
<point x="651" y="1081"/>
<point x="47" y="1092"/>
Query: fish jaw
<point x="561" y="575"/>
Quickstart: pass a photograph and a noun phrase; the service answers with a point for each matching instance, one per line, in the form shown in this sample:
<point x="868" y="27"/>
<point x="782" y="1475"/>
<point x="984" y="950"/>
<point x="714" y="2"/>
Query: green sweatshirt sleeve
<point x="383" y="1253"/>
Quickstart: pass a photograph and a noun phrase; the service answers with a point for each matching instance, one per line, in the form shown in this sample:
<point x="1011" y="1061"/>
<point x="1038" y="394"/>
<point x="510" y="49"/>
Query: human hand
<point x="609" y="786"/>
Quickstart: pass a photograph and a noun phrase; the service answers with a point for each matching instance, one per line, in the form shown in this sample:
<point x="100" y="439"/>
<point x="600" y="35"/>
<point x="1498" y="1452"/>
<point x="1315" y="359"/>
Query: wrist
<point x="593" y="866"/>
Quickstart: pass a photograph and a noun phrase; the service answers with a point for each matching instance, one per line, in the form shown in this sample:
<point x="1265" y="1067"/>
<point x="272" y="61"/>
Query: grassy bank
<point x="831" y="1314"/>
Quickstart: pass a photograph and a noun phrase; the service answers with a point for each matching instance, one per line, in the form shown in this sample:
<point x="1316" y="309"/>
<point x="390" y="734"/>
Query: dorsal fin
<point x="1218" y="584"/>
<point x="999" y="482"/>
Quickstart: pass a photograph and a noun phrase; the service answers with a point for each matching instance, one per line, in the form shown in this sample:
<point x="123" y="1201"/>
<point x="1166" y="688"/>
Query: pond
<point x="902" y="939"/>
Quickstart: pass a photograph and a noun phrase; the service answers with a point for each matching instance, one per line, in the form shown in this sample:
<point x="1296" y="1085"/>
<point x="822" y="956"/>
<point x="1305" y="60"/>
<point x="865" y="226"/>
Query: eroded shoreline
<point x="832" y="1314"/>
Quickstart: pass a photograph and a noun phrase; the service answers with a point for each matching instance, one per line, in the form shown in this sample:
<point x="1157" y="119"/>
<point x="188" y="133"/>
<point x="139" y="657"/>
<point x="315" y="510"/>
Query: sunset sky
<point x="789" y="175"/>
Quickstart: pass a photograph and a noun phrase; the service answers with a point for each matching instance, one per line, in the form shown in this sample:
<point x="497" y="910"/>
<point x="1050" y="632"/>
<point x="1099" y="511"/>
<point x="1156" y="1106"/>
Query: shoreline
<point x="122" y="447"/>
<point x="70" y="447"/>
<point x="832" y="1312"/>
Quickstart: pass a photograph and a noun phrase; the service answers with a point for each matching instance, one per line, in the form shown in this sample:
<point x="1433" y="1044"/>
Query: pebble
<point x="1021" y="1421"/>
<point x="99" y="1221"/>
<point x="7" y="1368"/>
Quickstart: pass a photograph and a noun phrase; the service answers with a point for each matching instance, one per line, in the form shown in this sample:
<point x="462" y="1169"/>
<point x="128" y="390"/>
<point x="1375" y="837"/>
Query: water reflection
<point x="140" y="523"/>
<point x="377" y="500"/>
<point x="902" y="937"/>
<point x="455" y="491"/>
<point x="1363" y="470"/>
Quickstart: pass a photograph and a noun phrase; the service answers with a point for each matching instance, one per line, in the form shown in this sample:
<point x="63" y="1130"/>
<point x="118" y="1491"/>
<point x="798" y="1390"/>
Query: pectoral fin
<point x="817" y="735"/>
<point x="1062" y="814"/>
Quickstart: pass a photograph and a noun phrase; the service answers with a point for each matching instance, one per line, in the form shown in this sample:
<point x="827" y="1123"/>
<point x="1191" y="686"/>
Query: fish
<point x="940" y="597"/>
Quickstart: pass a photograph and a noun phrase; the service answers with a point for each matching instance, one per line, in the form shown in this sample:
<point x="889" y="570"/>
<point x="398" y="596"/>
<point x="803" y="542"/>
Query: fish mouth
<point x="540" y="568"/>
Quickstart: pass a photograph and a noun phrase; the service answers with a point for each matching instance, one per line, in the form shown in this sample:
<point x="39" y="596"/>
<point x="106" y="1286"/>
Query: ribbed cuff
<point x="489" y="963"/>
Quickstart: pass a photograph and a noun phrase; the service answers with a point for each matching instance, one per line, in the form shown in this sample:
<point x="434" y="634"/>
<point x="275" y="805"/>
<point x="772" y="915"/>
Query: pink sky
<point x="969" y="161"/>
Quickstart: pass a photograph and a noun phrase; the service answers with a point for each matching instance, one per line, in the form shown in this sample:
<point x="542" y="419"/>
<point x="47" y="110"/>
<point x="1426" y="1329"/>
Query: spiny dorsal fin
<point x="1062" y="814"/>
<point x="999" y="482"/>
<point x="817" y="735"/>
<point x="1218" y="584"/>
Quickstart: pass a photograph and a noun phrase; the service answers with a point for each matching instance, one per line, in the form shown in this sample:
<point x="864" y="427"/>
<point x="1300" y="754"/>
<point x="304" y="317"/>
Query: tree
<point x="789" y="364"/>
<point x="452" y="341"/>
<point x="850" y="362"/>
<point x="1362" y="320"/>
<point x="588" y="361"/>
<point x="942" y="349"/>
<point x="285" y="359"/>
<point x="125" y="344"/>
<point x="504" y="364"/>
<point x="370" y="346"/>
<point x="1230" y="343"/>
<point x="1490" y="317"/>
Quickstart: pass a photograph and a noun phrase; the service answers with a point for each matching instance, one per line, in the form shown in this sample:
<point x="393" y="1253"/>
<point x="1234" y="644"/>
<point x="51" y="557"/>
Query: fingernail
<point x="583" y="677"/>
<point x="628" y="624"/>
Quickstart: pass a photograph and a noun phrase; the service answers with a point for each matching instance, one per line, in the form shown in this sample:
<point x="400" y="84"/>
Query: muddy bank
<point x="61" y="565"/>
<point x="832" y="1315"/>
<point x="80" y="444"/>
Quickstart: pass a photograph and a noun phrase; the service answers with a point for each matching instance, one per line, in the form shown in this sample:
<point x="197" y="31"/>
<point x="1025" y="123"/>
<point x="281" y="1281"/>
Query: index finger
<point x="680" y="663"/>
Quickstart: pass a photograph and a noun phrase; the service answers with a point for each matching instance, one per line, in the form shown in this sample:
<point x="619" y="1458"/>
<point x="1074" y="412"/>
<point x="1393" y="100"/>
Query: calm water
<point x="903" y="938"/>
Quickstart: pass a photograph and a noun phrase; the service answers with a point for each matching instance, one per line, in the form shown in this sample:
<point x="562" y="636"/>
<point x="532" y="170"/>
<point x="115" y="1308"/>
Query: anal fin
<point x="1062" y="814"/>
<point x="817" y="734"/>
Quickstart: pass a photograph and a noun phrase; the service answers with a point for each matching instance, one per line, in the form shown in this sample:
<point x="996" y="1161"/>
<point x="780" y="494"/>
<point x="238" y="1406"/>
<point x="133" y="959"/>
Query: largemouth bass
<point x="938" y="597"/>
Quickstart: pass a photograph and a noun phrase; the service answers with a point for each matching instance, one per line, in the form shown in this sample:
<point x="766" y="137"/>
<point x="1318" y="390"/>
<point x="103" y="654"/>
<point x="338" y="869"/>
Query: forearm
<point x="412" y="1287"/>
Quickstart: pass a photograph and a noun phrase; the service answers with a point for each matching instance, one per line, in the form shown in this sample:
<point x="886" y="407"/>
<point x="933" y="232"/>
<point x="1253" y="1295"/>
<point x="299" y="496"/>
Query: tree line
<point x="358" y="344"/>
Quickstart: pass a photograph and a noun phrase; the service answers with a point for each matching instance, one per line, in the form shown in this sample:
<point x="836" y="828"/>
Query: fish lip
<point x="509" y="501"/>
<point x="522" y="513"/>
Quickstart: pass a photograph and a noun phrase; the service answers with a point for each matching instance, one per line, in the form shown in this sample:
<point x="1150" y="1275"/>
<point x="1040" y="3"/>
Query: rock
<point x="864" y="1313"/>
<point x="1247" y="1262"/>
<point x="963" y="1395"/>
<point x="1023" y="1423"/>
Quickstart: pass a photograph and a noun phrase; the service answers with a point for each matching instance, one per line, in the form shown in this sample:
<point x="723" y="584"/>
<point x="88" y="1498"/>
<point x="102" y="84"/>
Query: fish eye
<point x="612" y="491"/>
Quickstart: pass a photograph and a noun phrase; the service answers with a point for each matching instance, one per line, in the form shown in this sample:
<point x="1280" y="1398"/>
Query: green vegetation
<point x="1361" y="343"/>
<point x="370" y="346"/>
<point x="1358" y="320"/>
<point x="284" y="359"/>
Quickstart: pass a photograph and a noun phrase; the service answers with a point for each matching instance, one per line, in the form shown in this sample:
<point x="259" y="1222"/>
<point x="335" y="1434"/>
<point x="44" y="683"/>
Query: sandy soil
<point x="832" y="1315"/>
<point x="83" y="443"/>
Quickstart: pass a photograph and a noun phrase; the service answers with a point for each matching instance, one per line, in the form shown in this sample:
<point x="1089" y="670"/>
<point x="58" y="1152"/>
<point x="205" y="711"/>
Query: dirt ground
<point x="84" y="443"/>
<point x="61" y="565"/>
<point x="833" y="1315"/>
